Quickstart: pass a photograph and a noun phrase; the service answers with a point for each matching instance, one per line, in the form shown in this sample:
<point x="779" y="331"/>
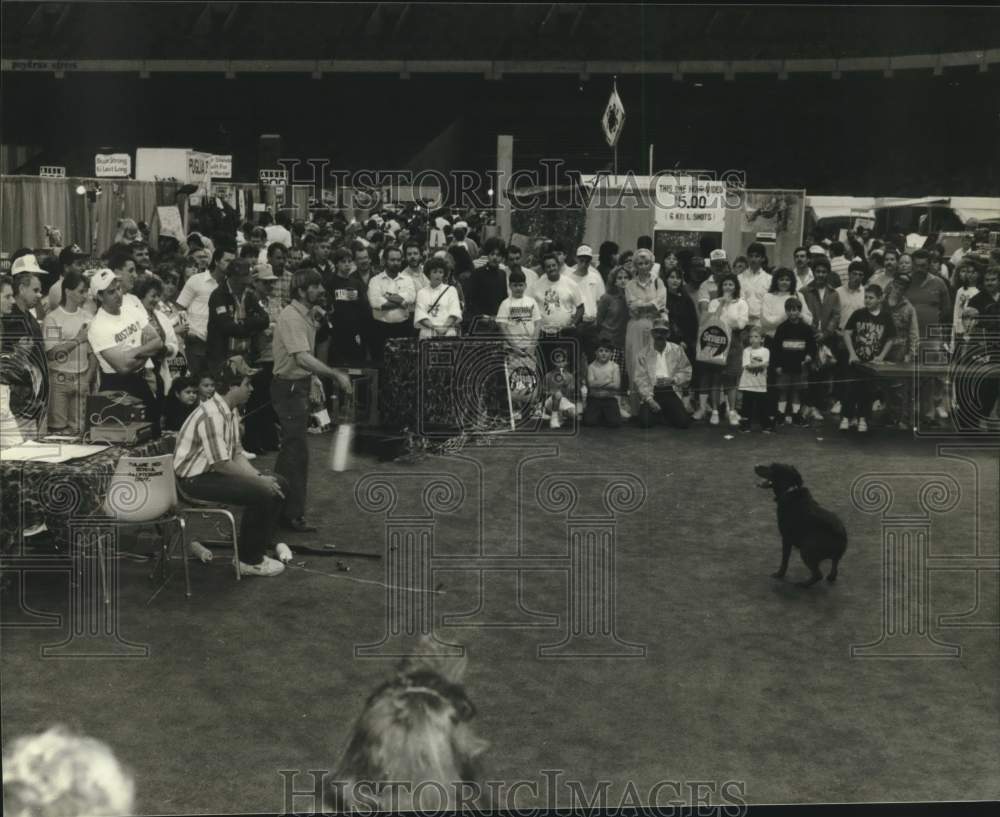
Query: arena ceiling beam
<point x="496" y="69"/>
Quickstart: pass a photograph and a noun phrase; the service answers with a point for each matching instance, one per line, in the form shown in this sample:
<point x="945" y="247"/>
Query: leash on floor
<point x="305" y="569"/>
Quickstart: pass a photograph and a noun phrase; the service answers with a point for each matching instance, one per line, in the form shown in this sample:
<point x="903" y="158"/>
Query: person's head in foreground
<point x="60" y="774"/>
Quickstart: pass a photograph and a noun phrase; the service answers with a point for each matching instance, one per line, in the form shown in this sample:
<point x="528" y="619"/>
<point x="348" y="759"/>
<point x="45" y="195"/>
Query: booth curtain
<point x="28" y="203"/>
<point x="623" y="225"/>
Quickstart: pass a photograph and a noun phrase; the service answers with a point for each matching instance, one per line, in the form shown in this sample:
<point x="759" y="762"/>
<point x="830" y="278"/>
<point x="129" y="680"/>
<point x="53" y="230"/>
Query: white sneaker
<point x="699" y="414"/>
<point x="844" y="424"/>
<point x="734" y="418"/>
<point x="714" y="419"/>
<point x="862" y="425"/>
<point x="835" y="408"/>
<point x="817" y="414"/>
<point x="877" y="406"/>
<point x="283" y="552"/>
<point x="267" y="567"/>
<point x="249" y="455"/>
<point x="788" y="419"/>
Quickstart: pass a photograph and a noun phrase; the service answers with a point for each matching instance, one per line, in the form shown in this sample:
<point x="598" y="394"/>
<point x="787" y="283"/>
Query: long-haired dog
<point x="413" y="747"/>
<point x="803" y="523"/>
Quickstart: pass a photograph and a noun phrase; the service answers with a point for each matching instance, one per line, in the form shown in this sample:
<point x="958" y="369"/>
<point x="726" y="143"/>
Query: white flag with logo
<point x="613" y="120"/>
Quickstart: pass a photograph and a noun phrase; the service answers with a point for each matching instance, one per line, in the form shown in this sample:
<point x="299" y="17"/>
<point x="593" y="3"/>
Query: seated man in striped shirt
<point x="210" y="464"/>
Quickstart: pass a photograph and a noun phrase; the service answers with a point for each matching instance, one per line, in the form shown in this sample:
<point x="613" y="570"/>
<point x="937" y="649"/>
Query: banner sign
<point x="113" y="165"/>
<point x="687" y="204"/>
<point x="221" y="167"/>
<point x="274" y="177"/>
<point x="52" y="172"/>
<point x="613" y="118"/>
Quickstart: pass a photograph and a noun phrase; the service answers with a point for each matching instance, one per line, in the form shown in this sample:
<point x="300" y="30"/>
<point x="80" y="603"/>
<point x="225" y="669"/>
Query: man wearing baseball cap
<point x="591" y="287"/>
<point x="709" y="289"/>
<point x="123" y="340"/>
<point x="71" y="258"/>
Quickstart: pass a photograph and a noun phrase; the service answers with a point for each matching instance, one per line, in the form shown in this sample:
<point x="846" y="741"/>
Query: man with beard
<point x="362" y="262"/>
<point x="277" y="259"/>
<point x="414" y="265"/>
<point x="140" y="255"/>
<point x="295" y="366"/>
<point x="931" y="299"/>
<point x="823" y="302"/>
<point x="392" y="297"/>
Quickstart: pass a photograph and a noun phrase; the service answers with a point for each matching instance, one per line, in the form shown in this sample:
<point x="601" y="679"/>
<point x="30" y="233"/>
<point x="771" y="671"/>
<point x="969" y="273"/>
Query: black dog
<point x="816" y="532"/>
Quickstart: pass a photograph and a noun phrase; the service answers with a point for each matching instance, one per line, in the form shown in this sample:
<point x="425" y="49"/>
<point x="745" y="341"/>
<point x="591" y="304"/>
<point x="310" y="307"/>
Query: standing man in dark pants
<point x="295" y="366"/>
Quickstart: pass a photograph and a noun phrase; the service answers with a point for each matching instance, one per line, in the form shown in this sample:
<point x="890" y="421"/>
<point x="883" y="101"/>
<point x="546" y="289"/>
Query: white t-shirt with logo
<point x="519" y="315"/>
<point x="124" y="329"/>
<point x="557" y="300"/>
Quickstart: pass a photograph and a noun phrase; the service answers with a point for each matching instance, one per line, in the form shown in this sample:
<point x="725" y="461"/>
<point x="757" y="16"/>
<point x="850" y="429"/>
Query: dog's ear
<point x="429" y="656"/>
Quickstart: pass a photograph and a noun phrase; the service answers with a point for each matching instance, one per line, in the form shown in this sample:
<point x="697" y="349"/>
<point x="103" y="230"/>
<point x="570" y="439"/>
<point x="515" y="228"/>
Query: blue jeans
<point x="290" y="401"/>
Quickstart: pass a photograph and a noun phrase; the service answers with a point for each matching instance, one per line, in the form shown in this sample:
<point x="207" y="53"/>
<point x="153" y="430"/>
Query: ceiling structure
<point x="497" y="38"/>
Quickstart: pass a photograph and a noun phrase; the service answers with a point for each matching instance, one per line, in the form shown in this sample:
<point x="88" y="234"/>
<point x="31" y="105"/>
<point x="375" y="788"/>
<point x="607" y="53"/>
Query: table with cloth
<point x="35" y="493"/>
<point x="447" y="385"/>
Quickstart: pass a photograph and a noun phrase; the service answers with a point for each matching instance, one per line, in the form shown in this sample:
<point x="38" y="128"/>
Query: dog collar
<point x="792" y="488"/>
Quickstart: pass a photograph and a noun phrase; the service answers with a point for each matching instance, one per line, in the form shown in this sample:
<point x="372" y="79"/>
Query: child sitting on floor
<point x="560" y="393"/>
<point x="180" y="403"/>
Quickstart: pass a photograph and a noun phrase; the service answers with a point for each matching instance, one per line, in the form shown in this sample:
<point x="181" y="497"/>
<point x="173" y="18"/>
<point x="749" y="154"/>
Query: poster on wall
<point x="689" y="204"/>
<point x="774" y="218"/>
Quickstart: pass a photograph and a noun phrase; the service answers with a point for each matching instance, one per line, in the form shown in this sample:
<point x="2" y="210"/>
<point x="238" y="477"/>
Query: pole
<point x="650" y="159"/>
<point x="616" y="161"/>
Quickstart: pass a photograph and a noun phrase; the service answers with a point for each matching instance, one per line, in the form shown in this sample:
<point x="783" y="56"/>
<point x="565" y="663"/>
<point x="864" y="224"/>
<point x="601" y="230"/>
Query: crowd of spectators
<point x="604" y="337"/>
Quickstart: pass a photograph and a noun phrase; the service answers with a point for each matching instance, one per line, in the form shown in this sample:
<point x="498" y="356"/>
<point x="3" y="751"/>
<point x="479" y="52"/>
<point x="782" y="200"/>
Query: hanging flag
<point x="613" y="120"/>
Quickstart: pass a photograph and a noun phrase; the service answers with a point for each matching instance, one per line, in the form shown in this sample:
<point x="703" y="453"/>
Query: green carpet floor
<point x="745" y="679"/>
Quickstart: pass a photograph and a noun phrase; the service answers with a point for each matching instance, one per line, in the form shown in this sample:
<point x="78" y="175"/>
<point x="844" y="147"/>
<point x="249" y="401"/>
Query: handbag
<point x="714" y="339"/>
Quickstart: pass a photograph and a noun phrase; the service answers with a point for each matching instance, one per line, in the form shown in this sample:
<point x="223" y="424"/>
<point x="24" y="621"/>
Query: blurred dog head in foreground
<point x="413" y="747"/>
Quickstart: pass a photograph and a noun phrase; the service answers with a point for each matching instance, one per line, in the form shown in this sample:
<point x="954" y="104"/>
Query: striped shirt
<point x="211" y="434"/>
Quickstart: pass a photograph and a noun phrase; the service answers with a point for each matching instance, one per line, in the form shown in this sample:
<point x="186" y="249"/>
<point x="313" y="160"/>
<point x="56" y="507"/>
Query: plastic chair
<point x="143" y="493"/>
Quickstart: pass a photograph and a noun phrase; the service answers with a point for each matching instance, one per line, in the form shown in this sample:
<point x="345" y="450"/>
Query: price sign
<point x="52" y="172"/>
<point x="685" y="203"/>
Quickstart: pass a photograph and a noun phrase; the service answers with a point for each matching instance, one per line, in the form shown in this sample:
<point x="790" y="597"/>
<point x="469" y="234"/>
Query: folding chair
<point x="142" y="493"/>
<point x="204" y="509"/>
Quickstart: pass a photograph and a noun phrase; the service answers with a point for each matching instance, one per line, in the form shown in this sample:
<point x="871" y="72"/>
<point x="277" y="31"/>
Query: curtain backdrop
<point x="28" y="203"/>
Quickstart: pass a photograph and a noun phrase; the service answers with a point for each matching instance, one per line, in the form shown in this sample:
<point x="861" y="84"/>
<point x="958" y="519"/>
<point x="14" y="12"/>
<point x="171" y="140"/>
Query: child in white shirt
<point x="753" y="382"/>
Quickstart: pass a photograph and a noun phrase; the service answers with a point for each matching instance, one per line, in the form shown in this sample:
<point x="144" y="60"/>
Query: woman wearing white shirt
<point x="437" y="312"/>
<point x="149" y="290"/>
<point x="734" y="312"/>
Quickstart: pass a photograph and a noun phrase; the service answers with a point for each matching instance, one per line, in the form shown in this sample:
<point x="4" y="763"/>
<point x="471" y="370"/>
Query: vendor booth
<point x="687" y="213"/>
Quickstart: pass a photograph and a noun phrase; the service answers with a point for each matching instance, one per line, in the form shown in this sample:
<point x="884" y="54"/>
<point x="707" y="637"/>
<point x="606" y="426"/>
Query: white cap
<point x="717" y="255"/>
<point x="816" y="249"/>
<point x="100" y="281"/>
<point x="461" y="225"/>
<point x="584" y="250"/>
<point x="26" y="263"/>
